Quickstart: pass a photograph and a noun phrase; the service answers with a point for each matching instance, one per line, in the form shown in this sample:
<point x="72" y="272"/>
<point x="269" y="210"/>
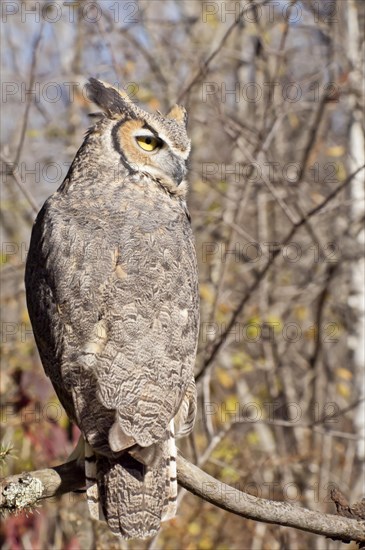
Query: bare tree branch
<point x="281" y="513"/>
<point x="25" y="490"/>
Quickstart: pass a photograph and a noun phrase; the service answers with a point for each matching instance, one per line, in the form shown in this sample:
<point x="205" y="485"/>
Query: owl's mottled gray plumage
<point x="111" y="283"/>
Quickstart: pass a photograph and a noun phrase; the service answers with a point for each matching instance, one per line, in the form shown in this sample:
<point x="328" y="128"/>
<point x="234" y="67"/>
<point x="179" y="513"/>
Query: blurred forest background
<point x="275" y="98"/>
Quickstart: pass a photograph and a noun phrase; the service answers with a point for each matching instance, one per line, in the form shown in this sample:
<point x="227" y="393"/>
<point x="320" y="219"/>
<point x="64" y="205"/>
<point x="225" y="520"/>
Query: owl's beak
<point x="179" y="172"/>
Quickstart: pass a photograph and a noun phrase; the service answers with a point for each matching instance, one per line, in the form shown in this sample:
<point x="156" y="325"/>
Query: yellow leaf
<point x="194" y="529"/>
<point x="225" y="452"/>
<point x="25" y="317"/>
<point x="206" y="293"/>
<point x="343" y="390"/>
<point x="223" y="186"/>
<point x="200" y="186"/>
<point x="214" y="206"/>
<point x="205" y="544"/>
<point x="301" y="312"/>
<point x="247" y="366"/>
<point x="253" y="438"/>
<point x="32" y="132"/>
<point x="211" y="19"/>
<point x="336" y="151"/>
<point x="229" y="410"/>
<point x="253" y="331"/>
<point x="63" y="421"/>
<point x="255" y="319"/>
<point x="341" y="171"/>
<point x="230" y="475"/>
<point x="275" y="322"/>
<point x="241" y="361"/>
<point x="345" y="374"/>
<point x="224" y="378"/>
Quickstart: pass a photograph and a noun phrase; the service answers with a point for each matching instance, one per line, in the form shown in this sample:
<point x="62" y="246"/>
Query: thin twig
<point x="31" y="83"/>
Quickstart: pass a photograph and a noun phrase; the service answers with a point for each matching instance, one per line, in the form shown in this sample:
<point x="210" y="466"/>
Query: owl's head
<point x="153" y="144"/>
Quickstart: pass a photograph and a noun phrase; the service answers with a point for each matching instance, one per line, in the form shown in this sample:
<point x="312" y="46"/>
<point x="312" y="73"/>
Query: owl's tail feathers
<point x="170" y="502"/>
<point x="92" y="491"/>
<point x="131" y="495"/>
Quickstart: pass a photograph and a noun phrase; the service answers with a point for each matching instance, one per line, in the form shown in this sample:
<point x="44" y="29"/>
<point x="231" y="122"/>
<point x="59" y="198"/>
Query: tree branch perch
<point x="26" y="490"/>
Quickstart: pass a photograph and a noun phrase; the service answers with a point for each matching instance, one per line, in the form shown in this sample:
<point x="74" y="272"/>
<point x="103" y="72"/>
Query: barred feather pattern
<point x="170" y="502"/>
<point x="92" y="492"/>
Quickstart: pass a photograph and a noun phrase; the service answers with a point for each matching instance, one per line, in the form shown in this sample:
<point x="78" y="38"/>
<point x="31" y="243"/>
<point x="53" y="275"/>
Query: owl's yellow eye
<point x="148" y="143"/>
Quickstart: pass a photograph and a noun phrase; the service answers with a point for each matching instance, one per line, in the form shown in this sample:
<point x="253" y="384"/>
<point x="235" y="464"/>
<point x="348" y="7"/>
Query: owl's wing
<point x="115" y="319"/>
<point x="43" y="302"/>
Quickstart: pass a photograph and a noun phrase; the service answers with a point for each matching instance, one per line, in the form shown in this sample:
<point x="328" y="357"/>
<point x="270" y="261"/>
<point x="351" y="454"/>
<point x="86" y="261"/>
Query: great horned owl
<point x="111" y="281"/>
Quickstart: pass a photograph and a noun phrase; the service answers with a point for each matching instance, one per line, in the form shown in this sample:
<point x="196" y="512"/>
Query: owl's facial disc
<point x="143" y="150"/>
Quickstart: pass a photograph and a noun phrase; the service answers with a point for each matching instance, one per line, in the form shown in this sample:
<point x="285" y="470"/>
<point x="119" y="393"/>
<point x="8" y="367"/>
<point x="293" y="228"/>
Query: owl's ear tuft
<point x="178" y="113"/>
<point x="110" y="99"/>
